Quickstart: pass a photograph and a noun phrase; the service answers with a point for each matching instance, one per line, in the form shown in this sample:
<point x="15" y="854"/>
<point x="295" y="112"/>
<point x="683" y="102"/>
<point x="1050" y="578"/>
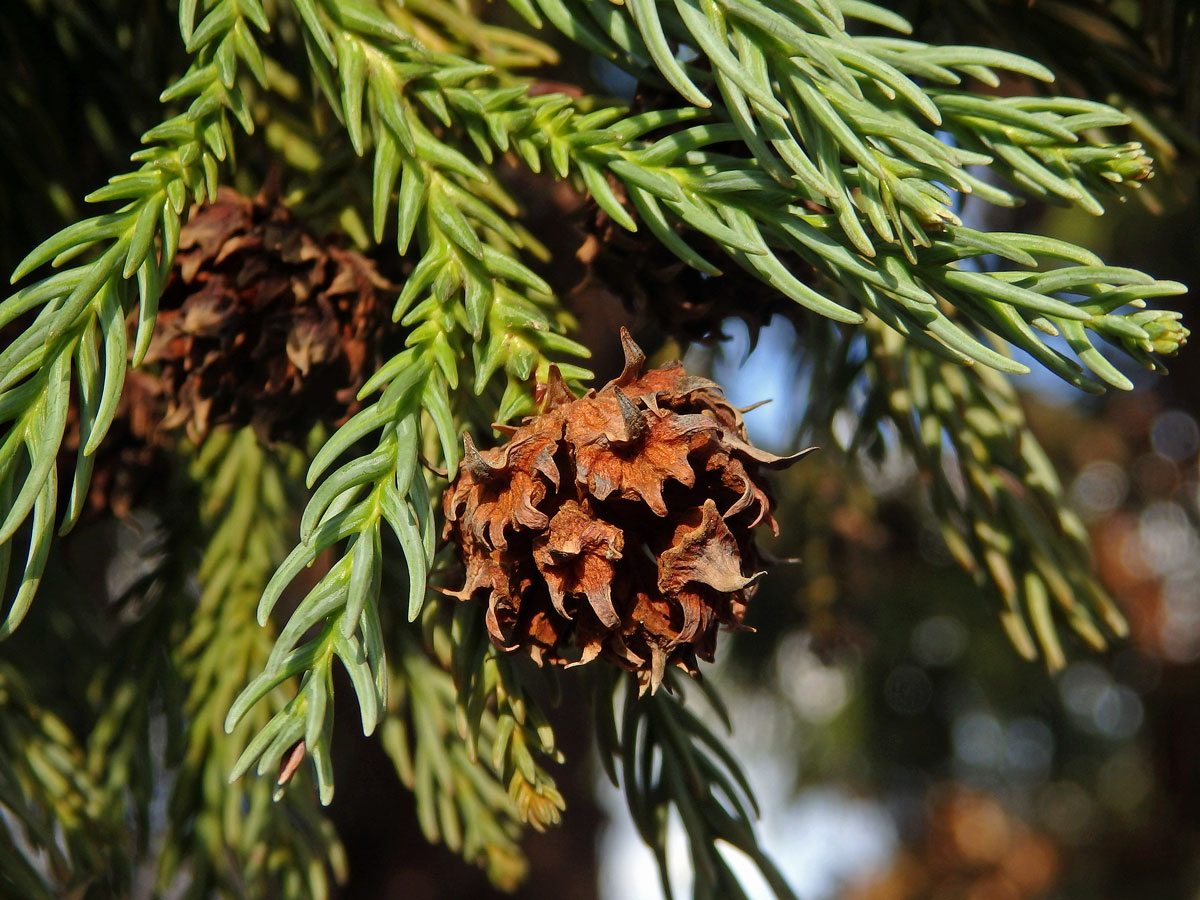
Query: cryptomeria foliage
<point x="813" y="145"/>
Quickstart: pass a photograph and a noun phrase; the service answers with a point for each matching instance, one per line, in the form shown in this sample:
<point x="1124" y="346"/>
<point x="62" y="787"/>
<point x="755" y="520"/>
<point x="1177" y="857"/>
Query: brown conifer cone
<point x="264" y="323"/>
<point x="618" y="524"/>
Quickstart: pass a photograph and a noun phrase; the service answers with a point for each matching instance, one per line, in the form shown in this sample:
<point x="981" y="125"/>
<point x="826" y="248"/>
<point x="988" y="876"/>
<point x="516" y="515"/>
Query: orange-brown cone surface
<point x="618" y="524"/>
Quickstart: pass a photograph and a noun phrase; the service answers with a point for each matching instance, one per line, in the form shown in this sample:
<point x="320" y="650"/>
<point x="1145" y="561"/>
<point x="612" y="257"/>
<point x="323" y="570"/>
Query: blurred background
<point x="899" y="746"/>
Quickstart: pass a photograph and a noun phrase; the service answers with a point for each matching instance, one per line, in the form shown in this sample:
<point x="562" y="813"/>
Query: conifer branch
<point x="916" y="290"/>
<point x="58" y="807"/>
<point x="668" y="762"/>
<point x="817" y="96"/>
<point x="676" y="182"/>
<point x="468" y="297"/>
<point x="77" y="328"/>
<point x="494" y="711"/>
<point x="1006" y="520"/>
<point x="476" y="773"/>
<point x="216" y="830"/>
<point x="134" y="691"/>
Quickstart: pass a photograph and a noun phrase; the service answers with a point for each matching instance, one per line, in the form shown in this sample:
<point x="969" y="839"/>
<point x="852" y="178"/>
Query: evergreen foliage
<point x="813" y="144"/>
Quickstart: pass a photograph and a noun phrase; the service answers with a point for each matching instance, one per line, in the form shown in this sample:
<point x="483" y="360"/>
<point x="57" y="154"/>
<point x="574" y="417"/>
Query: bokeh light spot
<point x="939" y="640"/>
<point x="1175" y="435"/>
<point x="979" y="740"/>
<point x="1099" y="489"/>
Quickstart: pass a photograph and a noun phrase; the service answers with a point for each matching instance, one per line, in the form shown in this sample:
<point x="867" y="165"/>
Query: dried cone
<point x="264" y="323"/>
<point x="618" y="524"/>
<point x="260" y="323"/>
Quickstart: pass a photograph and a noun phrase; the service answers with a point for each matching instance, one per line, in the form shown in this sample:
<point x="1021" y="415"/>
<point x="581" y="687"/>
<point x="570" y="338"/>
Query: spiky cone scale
<point x="617" y="525"/>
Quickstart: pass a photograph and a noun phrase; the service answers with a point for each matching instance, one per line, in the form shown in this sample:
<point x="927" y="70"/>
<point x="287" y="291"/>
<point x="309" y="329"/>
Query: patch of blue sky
<point x="772" y="370"/>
